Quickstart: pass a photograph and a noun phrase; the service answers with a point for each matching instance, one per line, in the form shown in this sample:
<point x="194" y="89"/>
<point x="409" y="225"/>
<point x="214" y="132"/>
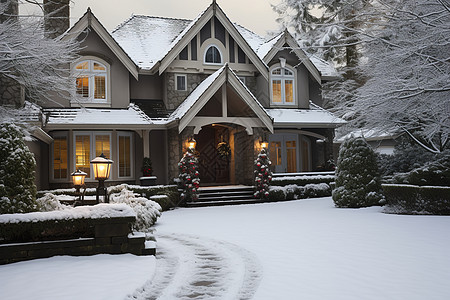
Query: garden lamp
<point x="78" y="182"/>
<point x="102" y="168"/>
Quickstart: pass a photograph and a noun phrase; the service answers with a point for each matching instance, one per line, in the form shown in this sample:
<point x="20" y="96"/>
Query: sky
<point x="256" y="15"/>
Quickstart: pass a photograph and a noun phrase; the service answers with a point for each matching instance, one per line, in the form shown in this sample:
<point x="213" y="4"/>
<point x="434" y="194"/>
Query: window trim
<point x="78" y="73"/>
<point x="283" y="78"/>
<point x="176" y="82"/>
<point x="92" y="135"/>
<point x="220" y="53"/>
<point x="52" y="158"/>
<point x="131" y="135"/>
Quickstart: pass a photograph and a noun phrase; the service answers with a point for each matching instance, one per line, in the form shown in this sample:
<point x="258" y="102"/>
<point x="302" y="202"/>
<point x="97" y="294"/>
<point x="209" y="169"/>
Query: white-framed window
<point x="213" y="55"/>
<point x="125" y="154"/>
<point x="60" y="156"/>
<point x="91" y="80"/>
<point x="87" y="146"/>
<point x="180" y="82"/>
<point x="282" y="86"/>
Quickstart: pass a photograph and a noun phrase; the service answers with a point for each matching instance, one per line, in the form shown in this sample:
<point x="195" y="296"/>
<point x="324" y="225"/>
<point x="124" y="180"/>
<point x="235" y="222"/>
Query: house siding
<point x="147" y="87"/>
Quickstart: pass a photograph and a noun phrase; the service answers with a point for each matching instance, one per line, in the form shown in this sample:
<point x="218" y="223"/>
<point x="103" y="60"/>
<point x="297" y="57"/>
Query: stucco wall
<point x="148" y="87"/>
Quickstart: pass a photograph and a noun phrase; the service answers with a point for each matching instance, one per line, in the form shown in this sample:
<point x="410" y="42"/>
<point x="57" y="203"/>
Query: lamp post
<point x="78" y="182"/>
<point x="102" y="168"/>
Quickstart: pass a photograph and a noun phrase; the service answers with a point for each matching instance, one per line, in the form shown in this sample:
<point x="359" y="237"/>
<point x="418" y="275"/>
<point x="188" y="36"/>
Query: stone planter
<point x="148" y="180"/>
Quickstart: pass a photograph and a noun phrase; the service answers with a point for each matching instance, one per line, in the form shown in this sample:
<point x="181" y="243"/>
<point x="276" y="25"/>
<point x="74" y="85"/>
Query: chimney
<point x="11" y="10"/>
<point x="11" y="93"/>
<point x="56" y="17"/>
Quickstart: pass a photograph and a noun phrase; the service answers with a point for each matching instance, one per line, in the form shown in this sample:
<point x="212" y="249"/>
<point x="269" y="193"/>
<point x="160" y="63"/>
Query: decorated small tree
<point x="17" y="169"/>
<point x="189" y="176"/>
<point x="358" y="183"/>
<point x="263" y="175"/>
<point x="147" y="169"/>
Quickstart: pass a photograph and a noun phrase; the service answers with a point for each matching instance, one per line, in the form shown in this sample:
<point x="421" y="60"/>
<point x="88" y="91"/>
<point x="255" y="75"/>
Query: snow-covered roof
<point x="326" y="69"/>
<point x="97" y="116"/>
<point x="193" y="97"/>
<point x="147" y="39"/>
<point x="313" y="117"/>
<point x="373" y="134"/>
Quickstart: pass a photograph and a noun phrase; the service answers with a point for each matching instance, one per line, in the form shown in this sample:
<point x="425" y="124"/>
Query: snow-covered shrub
<point x="51" y="202"/>
<point x="435" y="173"/>
<point x="292" y="192"/>
<point x="406" y="157"/>
<point x="17" y="171"/>
<point x="358" y="183"/>
<point x="189" y="176"/>
<point x="263" y="175"/>
<point x="147" y="211"/>
<point x="302" y="179"/>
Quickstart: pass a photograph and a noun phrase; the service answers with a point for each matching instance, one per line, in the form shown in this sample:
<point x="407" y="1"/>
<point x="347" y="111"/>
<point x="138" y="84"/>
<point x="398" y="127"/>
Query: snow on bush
<point x="147" y="211"/>
<point x="358" y="183"/>
<point x="51" y="202"/>
<point x="292" y="191"/>
<point x="17" y="171"/>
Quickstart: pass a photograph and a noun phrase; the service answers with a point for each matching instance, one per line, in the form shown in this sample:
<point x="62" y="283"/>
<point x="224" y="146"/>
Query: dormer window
<point x="91" y="80"/>
<point x="282" y="86"/>
<point x="213" y="55"/>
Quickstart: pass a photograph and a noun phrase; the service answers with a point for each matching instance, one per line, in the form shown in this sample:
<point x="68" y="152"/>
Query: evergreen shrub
<point x="358" y="183"/>
<point x="17" y="172"/>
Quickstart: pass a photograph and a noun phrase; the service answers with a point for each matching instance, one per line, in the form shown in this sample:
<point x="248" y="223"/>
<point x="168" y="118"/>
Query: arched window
<point x="282" y="85"/>
<point x="213" y="55"/>
<point x="91" y="80"/>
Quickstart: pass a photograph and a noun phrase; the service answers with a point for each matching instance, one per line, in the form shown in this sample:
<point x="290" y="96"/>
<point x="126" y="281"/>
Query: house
<point x="151" y="85"/>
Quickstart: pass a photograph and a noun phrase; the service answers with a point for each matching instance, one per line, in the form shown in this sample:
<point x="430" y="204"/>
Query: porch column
<point x="328" y="147"/>
<point x="146" y="142"/>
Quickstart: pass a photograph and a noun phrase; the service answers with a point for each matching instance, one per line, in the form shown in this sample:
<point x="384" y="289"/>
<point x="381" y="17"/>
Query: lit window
<point x="180" y="82"/>
<point x="125" y="157"/>
<point x="89" y="145"/>
<point x="91" y="80"/>
<point x="213" y="56"/>
<point x="283" y="86"/>
<point x="60" y="157"/>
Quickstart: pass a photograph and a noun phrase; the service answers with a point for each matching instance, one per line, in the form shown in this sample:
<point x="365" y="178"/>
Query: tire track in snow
<point x="191" y="267"/>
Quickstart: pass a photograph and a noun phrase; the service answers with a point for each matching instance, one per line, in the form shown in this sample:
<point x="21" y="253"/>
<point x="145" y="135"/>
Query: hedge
<point x="292" y="192"/>
<point x="302" y="180"/>
<point x="411" y="199"/>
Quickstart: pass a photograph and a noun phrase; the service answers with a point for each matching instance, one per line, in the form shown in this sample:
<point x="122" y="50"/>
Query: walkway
<point x="190" y="267"/>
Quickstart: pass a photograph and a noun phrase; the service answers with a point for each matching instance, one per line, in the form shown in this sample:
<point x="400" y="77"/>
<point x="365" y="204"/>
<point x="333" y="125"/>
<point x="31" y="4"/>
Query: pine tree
<point x="263" y="175"/>
<point x="17" y="172"/>
<point x="358" y="183"/>
<point x="189" y="176"/>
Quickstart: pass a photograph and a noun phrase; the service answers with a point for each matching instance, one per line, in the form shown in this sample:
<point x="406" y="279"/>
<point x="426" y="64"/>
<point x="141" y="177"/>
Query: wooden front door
<point x="214" y="167"/>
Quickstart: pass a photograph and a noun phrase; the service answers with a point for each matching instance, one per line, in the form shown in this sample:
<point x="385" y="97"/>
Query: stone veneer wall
<point x="246" y="149"/>
<point x="174" y="97"/>
<point x="177" y="148"/>
<point x="250" y="82"/>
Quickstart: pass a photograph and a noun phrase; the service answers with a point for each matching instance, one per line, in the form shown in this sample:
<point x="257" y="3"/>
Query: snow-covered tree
<point x="39" y="64"/>
<point x="263" y="175"/>
<point x="17" y="169"/>
<point x="358" y="183"/>
<point x="189" y="176"/>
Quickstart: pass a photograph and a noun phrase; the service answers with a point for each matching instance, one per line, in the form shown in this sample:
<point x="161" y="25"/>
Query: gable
<point x="89" y="22"/>
<point x="202" y="28"/>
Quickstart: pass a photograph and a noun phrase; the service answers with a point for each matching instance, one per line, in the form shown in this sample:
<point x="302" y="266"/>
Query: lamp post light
<point x="192" y="143"/>
<point x="264" y="144"/>
<point x="78" y="181"/>
<point x="102" y="168"/>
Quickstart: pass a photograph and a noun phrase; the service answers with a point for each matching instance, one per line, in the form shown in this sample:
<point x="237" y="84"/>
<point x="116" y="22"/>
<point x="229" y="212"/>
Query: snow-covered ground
<point x="304" y="249"/>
